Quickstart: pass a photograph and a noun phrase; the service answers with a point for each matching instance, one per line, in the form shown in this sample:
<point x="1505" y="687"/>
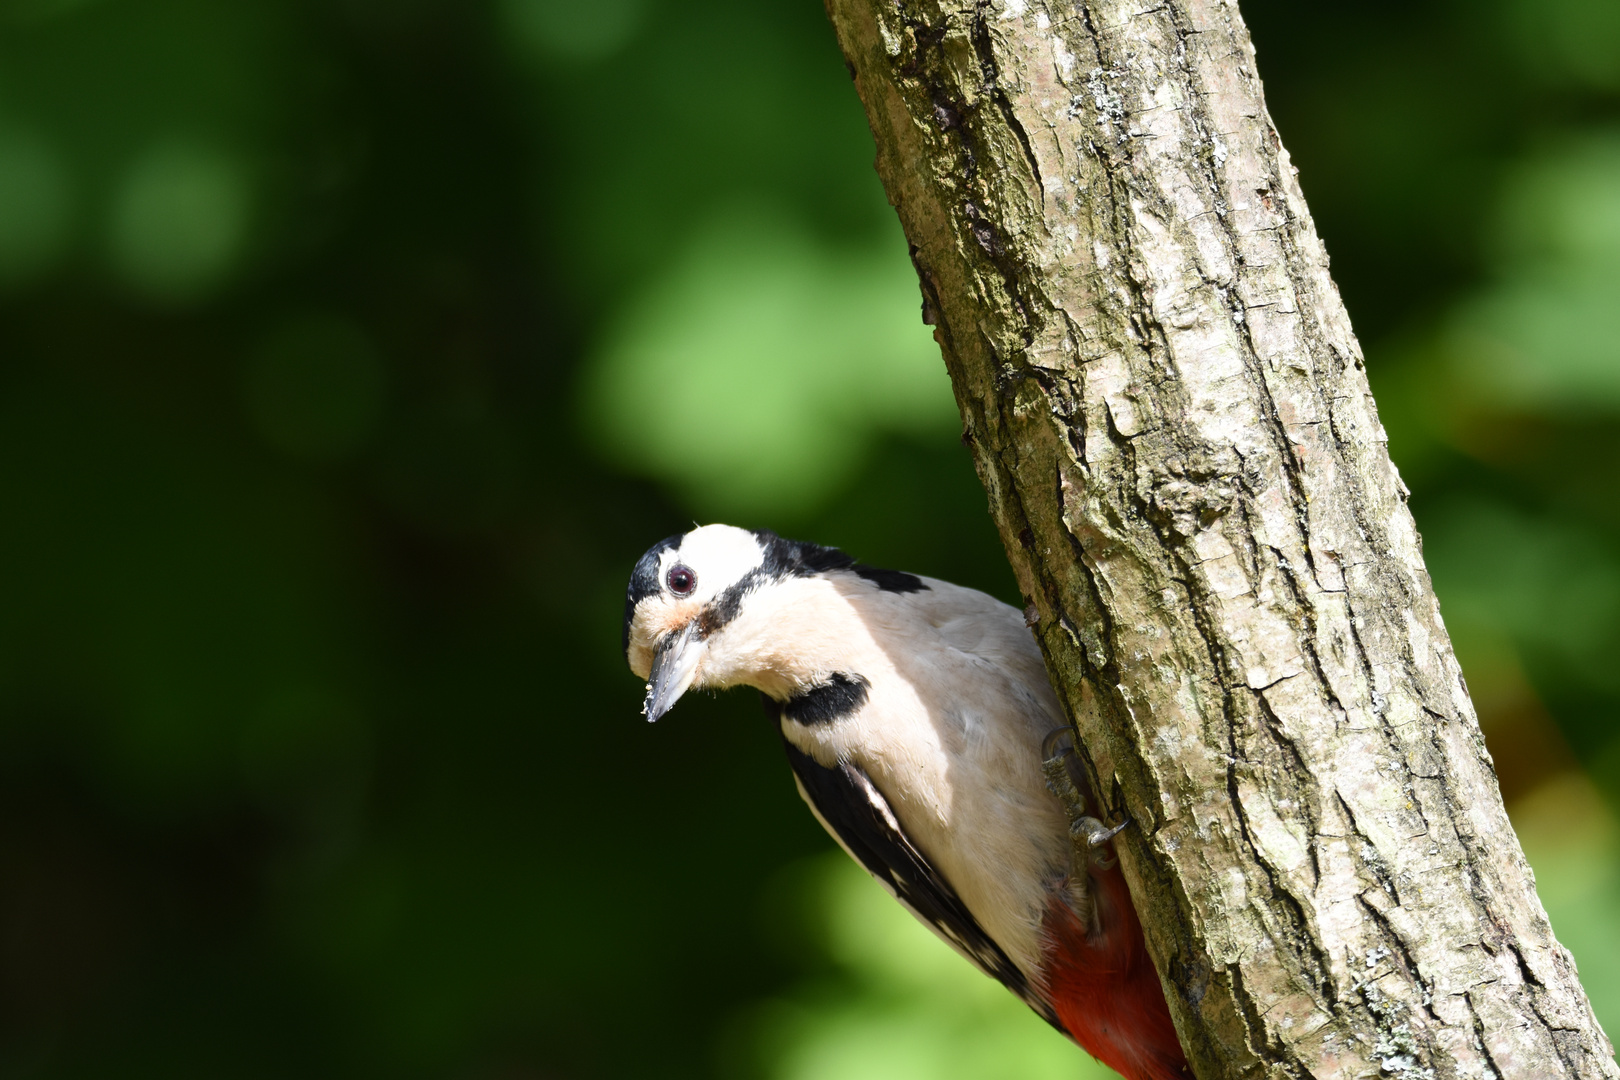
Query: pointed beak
<point x="673" y="667"/>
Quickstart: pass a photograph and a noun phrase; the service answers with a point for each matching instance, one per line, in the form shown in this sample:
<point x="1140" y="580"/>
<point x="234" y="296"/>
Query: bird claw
<point x="1049" y="745"/>
<point x="1091" y="838"/>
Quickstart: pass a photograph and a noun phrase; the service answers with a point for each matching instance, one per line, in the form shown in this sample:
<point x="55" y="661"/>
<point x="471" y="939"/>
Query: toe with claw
<point x="1065" y="780"/>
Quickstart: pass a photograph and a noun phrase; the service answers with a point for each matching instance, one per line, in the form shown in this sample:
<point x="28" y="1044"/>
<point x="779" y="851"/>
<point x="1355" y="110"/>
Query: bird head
<point x="687" y="611"/>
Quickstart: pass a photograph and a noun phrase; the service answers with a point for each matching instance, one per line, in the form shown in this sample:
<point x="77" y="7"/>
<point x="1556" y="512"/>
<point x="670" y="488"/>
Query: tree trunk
<point x="1169" y="411"/>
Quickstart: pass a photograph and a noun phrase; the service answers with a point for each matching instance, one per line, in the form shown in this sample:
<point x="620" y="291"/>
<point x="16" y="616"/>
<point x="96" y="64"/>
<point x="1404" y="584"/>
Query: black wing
<point x="855" y="811"/>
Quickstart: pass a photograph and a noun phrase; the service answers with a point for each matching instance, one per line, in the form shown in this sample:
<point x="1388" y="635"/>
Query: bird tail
<point x="1103" y="987"/>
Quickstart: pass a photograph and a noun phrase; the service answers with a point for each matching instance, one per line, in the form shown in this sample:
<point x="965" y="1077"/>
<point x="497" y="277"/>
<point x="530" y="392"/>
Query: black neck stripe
<point x="840" y="696"/>
<point x="724" y="607"/>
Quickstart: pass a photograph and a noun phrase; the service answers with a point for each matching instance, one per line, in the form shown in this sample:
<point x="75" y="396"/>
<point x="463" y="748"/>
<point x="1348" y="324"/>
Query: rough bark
<point x="1168" y="409"/>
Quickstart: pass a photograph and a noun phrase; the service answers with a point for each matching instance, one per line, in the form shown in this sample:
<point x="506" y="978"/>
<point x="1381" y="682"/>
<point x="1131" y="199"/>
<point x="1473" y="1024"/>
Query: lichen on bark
<point x="1169" y="412"/>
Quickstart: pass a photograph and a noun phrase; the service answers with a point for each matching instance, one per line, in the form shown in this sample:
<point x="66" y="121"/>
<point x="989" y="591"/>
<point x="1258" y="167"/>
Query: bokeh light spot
<point x="314" y="386"/>
<point x="571" y="30"/>
<point x="35" y="207"/>
<point x="179" y="221"/>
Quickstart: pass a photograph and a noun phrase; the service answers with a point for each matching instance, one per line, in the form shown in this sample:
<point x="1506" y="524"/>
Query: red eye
<point x="681" y="580"/>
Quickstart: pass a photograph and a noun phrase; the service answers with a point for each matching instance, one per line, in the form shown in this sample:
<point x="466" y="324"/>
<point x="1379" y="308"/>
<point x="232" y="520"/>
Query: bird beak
<point x="674" y="665"/>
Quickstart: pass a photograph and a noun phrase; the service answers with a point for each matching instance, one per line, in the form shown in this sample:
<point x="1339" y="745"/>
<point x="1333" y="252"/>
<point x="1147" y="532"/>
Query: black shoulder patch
<point x="858" y="815"/>
<point x="814" y="558"/>
<point x="644" y="582"/>
<point x="890" y="580"/>
<point x="797" y="558"/>
<point x="840" y="696"/>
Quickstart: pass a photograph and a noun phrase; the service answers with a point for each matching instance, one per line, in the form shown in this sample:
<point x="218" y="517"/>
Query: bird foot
<point x="1091" y="841"/>
<point x="1090" y="838"/>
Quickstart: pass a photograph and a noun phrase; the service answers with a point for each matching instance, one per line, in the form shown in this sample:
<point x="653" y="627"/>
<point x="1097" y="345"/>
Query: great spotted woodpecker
<point x="924" y="735"/>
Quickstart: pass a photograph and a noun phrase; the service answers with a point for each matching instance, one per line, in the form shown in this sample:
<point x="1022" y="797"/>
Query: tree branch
<point x="1168" y="409"/>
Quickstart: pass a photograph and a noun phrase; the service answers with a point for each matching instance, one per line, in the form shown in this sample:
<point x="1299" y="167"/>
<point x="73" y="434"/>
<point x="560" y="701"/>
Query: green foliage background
<point x="354" y="349"/>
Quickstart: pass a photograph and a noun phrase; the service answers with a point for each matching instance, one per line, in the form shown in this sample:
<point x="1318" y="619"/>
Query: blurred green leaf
<point x="36" y="206"/>
<point x="1549" y="585"/>
<point x="752" y="375"/>
<point x="905" y="1006"/>
<point x="1547" y="335"/>
<point x="561" y="30"/>
<point x="180" y="221"/>
<point x="1567" y="42"/>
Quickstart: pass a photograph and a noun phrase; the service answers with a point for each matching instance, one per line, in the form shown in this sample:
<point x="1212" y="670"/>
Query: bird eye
<point x="681" y="580"/>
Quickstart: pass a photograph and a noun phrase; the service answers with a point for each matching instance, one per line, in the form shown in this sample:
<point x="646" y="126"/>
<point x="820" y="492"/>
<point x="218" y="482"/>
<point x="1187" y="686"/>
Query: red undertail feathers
<point x="1104" y="989"/>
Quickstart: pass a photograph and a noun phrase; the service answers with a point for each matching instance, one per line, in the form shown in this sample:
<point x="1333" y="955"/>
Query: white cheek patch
<point x="640" y="658"/>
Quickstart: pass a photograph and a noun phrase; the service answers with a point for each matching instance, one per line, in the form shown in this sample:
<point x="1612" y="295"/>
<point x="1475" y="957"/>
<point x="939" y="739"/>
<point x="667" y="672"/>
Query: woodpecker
<point x="924" y="735"/>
